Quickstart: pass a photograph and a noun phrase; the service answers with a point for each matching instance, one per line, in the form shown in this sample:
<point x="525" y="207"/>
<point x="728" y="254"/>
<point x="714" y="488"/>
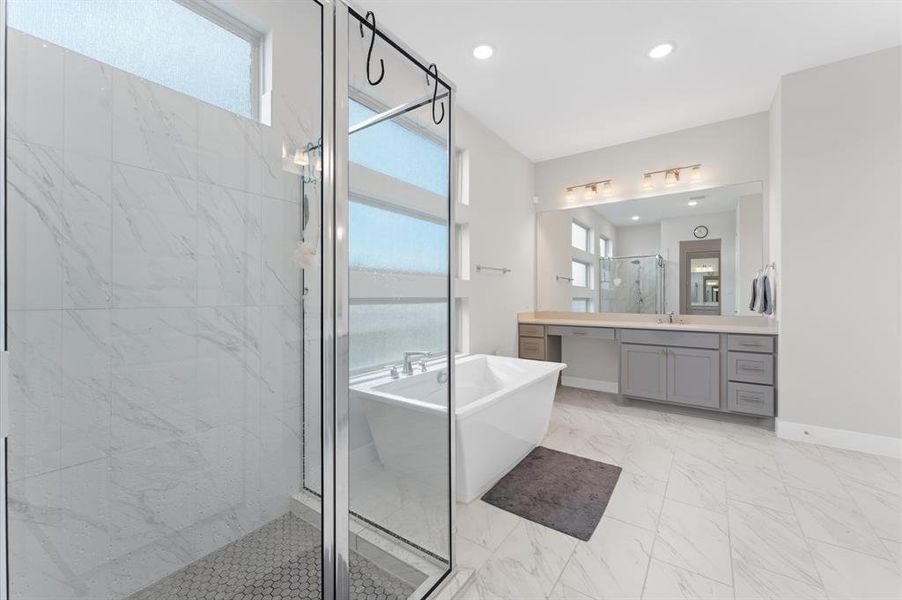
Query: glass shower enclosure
<point x="227" y="303"/>
<point x="631" y="284"/>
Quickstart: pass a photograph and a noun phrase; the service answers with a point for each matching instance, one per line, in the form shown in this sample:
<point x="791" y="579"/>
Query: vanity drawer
<point x="533" y="348"/>
<point x="750" y="368"/>
<point x="750" y="398"/>
<point x="532" y="330"/>
<point x="751" y="343"/>
<point x="595" y="333"/>
<point x="686" y="339"/>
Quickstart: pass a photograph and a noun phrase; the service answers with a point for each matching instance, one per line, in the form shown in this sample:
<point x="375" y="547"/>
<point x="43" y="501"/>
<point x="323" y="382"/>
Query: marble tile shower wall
<point x="154" y="326"/>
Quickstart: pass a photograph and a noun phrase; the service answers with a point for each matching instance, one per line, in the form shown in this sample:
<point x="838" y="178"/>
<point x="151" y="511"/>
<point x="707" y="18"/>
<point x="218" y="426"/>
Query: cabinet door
<point x="693" y="377"/>
<point x="643" y="371"/>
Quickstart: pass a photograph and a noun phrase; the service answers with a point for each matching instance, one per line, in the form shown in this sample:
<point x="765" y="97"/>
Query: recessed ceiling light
<point x="483" y="51"/>
<point x="693" y="202"/>
<point x="661" y="50"/>
<point x="635" y="217"/>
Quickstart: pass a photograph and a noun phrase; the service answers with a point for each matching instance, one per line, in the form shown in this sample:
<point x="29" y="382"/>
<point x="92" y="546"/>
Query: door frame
<point x="688" y="248"/>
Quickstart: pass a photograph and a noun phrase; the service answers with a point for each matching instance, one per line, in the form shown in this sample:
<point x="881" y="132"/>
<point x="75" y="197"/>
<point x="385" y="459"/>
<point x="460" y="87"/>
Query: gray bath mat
<point x="559" y="490"/>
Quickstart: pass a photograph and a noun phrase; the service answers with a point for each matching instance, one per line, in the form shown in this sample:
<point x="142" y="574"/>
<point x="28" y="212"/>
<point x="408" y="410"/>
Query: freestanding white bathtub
<point x="502" y="413"/>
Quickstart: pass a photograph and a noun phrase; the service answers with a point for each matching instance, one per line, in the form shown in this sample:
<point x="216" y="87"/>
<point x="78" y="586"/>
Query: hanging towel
<point x="754" y="293"/>
<point x="759" y="293"/>
<point x="769" y="298"/>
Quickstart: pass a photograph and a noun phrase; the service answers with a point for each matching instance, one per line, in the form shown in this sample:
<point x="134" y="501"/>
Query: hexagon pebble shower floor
<point x="281" y="560"/>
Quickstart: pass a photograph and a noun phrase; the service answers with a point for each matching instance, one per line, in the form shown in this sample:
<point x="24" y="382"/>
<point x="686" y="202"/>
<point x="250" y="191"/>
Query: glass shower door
<point x="398" y="211"/>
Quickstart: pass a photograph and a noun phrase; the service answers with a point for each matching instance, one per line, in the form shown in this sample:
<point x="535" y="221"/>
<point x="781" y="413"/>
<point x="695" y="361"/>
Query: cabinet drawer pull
<point x="754" y="368"/>
<point x="750" y="398"/>
<point x="579" y="333"/>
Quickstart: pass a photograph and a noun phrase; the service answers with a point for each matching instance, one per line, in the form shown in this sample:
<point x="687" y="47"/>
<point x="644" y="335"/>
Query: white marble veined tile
<point x="808" y="471"/>
<point x="484" y="524"/>
<point x="470" y="555"/>
<point x="280" y="356"/>
<point x="850" y="575"/>
<point x="228" y="367"/>
<point x="758" y="485"/>
<point x="280" y="178"/>
<point x="88" y="106"/>
<point x="697" y="482"/>
<point x="281" y="274"/>
<point x="35" y="111"/>
<point x="612" y="564"/>
<point x="86" y="232"/>
<point x="230" y="152"/>
<point x="606" y="447"/>
<point x="648" y="458"/>
<point x="229" y="247"/>
<point x="565" y="439"/>
<point x="154" y="375"/>
<point x="667" y="582"/>
<point x="35" y="391"/>
<point x="834" y="518"/>
<point x="637" y="500"/>
<point x="751" y="583"/>
<point x="34" y="186"/>
<point x="857" y="466"/>
<point x="478" y="589"/>
<point x="153" y="127"/>
<point x="154" y="239"/>
<point x="695" y="539"/>
<point x="564" y="592"/>
<point x="771" y="540"/>
<point x="86" y="370"/>
<point x="881" y="505"/>
<point x="528" y="562"/>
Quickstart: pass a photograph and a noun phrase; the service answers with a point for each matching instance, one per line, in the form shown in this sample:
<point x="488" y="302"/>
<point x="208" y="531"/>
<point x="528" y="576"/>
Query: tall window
<point x="579" y="237"/>
<point x="604" y="247"/>
<point x="189" y="46"/>
<point x="580" y="305"/>
<point x="579" y="273"/>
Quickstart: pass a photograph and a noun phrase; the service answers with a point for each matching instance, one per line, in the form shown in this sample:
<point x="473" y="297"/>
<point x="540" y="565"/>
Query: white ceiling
<point x="570" y="76"/>
<point x="654" y="209"/>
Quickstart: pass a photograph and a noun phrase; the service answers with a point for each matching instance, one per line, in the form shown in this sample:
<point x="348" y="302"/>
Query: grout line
<point x="657" y="531"/>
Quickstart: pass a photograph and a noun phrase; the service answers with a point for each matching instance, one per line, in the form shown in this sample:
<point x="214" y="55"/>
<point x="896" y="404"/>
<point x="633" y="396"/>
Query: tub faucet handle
<point x="422" y="364"/>
<point x="394" y="372"/>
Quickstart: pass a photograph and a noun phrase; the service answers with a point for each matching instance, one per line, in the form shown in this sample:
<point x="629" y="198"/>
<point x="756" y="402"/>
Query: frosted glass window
<point x="579" y="237"/>
<point x="385" y="240"/>
<point x="162" y="41"/>
<point x="604" y="247"/>
<point x="381" y="333"/>
<point x="579" y="305"/>
<point x="580" y="273"/>
<point x="398" y="152"/>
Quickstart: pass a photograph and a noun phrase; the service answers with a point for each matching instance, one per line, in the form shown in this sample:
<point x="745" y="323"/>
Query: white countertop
<point x="757" y="326"/>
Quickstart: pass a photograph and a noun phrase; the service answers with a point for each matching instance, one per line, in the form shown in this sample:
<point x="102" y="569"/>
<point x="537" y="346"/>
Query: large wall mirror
<point x="688" y="252"/>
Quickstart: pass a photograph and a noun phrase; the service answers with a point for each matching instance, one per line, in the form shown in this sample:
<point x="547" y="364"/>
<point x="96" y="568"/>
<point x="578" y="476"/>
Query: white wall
<point x="839" y="247"/>
<point x="502" y="234"/>
<point x="749" y="248"/>
<point x="638" y="240"/>
<point x="733" y="151"/>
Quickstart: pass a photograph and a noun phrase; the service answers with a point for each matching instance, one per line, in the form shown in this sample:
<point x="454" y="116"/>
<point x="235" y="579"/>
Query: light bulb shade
<point x="696" y="173"/>
<point x="301" y="157"/>
<point x="569" y="196"/>
<point x="591" y="190"/>
<point x="607" y="189"/>
<point x="672" y="178"/>
<point x="648" y="183"/>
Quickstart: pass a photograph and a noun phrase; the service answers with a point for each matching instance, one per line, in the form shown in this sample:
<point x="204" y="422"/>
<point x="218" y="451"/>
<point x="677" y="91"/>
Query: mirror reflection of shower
<point x="632" y="284"/>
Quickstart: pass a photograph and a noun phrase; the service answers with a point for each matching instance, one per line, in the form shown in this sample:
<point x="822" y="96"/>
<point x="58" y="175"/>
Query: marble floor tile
<point x="565" y="438"/>
<point x="849" y="575"/>
<point x="484" y="524"/>
<point x="835" y="519"/>
<point x="648" y="458"/>
<point x="613" y="562"/>
<point x="694" y="539"/>
<point x="766" y="539"/>
<point x="637" y="500"/>
<point x="563" y="592"/>
<point x="697" y="482"/>
<point x="757" y="584"/>
<point x="528" y="563"/>
<point x="881" y="505"/>
<point x="667" y="582"/>
<point x="756" y="484"/>
<point x="470" y="555"/>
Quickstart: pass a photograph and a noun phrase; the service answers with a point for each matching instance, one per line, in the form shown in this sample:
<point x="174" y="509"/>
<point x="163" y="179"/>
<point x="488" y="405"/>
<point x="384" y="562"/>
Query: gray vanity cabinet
<point x="693" y="377"/>
<point x="643" y="371"/>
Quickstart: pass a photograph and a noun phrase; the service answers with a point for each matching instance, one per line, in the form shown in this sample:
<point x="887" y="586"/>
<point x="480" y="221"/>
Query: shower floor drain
<point x="281" y="560"/>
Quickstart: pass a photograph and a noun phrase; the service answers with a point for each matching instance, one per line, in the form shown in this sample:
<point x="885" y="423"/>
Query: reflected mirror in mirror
<point x="693" y="252"/>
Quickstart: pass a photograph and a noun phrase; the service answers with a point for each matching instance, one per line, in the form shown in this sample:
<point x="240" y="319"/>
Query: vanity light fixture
<point x="591" y="187"/>
<point x="483" y="51"/>
<point x="635" y="217"/>
<point x="693" y="203"/>
<point x="671" y="176"/>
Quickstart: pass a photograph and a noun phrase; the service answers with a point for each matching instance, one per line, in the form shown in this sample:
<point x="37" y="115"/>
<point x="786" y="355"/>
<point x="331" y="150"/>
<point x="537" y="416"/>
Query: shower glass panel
<point x="632" y="284"/>
<point x="399" y="251"/>
<point x="163" y="309"/>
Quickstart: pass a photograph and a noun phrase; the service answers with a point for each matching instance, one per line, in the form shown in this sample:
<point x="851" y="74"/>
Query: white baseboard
<point x="595" y="385"/>
<point x="882" y="445"/>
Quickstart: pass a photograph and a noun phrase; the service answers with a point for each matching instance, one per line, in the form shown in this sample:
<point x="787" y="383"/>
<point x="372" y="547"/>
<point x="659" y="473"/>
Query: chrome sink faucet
<point x="410" y="357"/>
<point x="670" y="316"/>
